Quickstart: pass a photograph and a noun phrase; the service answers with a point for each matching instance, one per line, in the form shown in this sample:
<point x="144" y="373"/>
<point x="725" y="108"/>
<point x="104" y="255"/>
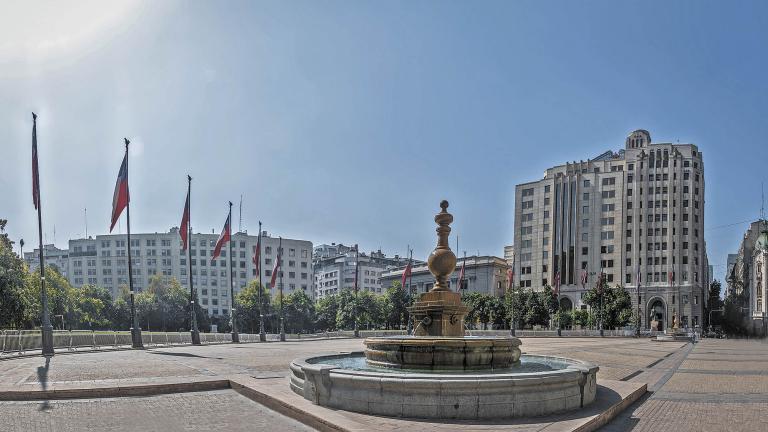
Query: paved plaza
<point x="711" y="385"/>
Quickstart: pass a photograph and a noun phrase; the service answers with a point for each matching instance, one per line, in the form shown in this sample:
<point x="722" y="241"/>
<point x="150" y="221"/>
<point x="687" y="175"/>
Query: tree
<point x="92" y="308"/>
<point x="581" y="317"/>
<point x="394" y="306"/>
<point x="498" y="309"/>
<point x="714" y="302"/>
<point x="550" y="300"/>
<point x="248" y="307"/>
<point x="616" y="304"/>
<point x="734" y="322"/>
<point x="536" y="312"/>
<point x="13" y="276"/>
<point x="326" y="310"/>
<point x="60" y="294"/>
<point x="479" y="309"/>
<point x="362" y="307"/>
<point x="299" y="312"/>
<point x="516" y="302"/>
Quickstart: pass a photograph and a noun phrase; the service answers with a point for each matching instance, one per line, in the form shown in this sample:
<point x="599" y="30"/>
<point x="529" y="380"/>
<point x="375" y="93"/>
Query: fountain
<point x="438" y="371"/>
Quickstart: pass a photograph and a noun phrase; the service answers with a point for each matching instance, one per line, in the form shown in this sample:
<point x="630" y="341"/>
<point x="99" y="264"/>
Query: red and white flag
<point x="557" y="284"/>
<point x="583" y="277"/>
<point x="184" y="230"/>
<point x="510" y="279"/>
<point x="120" y="198"/>
<point x="671" y="277"/>
<point x="35" y="170"/>
<point x="257" y="258"/>
<point x="274" y="272"/>
<point x="406" y="273"/>
<point x="461" y="274"/>
<point x="224" y="237"/>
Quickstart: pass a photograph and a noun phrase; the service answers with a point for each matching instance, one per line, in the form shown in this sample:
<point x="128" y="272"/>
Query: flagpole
<point x="135" y="329"/>
<point x="47" y="328"/>
<point x="235" y="335"/>
<point x="194" y="331"/>
<point x="354" y="308"/>
<point x="262" y="334"/>
<point x="511" y="283"/>
<point x="280" y="269"/>
<point x="409" y="326"/>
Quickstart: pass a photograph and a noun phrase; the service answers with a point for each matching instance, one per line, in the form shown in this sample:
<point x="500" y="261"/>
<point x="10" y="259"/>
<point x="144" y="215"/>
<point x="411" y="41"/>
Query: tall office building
<point x="102" y="261"/>
<point x="636" y="211"/>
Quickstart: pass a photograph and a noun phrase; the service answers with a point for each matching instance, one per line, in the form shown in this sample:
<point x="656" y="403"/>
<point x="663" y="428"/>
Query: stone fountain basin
<point x="436" y="352"/>
<point x="501" y="393"/>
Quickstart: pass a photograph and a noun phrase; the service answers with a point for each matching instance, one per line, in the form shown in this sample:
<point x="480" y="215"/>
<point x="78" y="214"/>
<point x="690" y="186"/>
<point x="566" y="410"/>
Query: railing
<point x="20" y="342"/>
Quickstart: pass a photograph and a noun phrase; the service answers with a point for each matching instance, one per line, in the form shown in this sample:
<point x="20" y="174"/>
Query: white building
<point x="53" y="256"/>
<point x="641" y="209"/>
<point x="103" y="261"/>
<point x="334" y="268"/>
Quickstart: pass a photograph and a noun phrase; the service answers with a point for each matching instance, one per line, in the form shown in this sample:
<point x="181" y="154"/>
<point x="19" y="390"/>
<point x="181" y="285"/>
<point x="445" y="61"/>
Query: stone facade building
<point x="483" y="274"/>
<point x="639" y="210"/>
<point x="748" y="275"/>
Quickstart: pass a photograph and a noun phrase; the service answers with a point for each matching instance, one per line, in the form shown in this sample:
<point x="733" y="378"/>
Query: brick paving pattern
<point x="721" y="385"/>
<point x="712" y="385"/>
<point x="223" y="410"/>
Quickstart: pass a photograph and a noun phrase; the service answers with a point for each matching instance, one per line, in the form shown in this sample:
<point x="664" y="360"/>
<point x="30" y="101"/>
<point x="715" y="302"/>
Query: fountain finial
<point x="442" y="261"/>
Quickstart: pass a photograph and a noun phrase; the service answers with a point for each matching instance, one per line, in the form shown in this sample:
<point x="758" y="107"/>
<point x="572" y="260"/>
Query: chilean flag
<point x="274" y="272"/>
<point x="557" y="284"/>
<point x="461" y="274"/>
<point x="510" y="279"/>
<point x="120" y="199"/>
<point x="257" y="257"/>
<point x="184" y="230"/>
<point x="35" y="171"/>
<point x="406" y="273"/>
<point x="583" y="277"/>
<point x="223" y="238"/>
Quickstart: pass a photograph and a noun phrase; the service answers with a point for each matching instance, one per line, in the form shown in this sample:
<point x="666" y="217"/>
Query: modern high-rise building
<point x="635" y="212"/>
<point x="102" y="261"/>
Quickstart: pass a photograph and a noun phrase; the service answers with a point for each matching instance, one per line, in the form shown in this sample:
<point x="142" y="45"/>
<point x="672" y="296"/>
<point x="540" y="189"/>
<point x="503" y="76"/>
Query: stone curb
<point x="606" y="416"/>
<point x="110" y="392"/>
<point x="287" y="410"/>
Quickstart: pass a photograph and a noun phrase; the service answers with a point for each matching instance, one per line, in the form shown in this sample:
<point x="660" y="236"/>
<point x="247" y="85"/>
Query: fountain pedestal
<point x="439" y="313"/>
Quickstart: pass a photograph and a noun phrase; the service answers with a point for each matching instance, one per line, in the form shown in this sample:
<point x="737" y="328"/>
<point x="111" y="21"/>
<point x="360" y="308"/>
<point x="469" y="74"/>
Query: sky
<point x="349" y="121"/>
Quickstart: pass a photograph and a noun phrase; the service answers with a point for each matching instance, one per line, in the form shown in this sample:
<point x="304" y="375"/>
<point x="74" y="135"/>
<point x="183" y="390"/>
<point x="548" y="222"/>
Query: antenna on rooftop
<point x="240" y="223"/>
<point x="762" y="200"/>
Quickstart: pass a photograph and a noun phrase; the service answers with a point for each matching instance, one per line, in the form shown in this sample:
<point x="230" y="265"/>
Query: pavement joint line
<point x="671" y="371"/>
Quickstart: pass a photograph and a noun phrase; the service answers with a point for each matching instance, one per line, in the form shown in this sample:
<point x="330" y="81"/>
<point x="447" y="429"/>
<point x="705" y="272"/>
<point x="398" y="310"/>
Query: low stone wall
<point x="446" y="396"/>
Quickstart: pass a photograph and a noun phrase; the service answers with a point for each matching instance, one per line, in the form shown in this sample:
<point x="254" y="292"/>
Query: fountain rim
<point x="574" y="366"/>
